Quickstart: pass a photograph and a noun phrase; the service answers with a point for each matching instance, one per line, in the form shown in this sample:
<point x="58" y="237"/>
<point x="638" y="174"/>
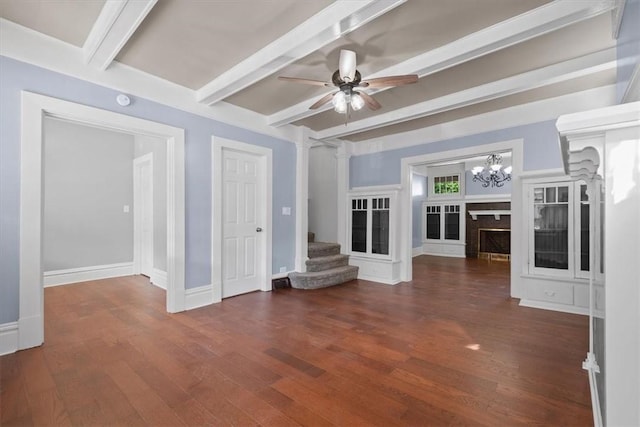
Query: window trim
<point x="442" y="213"/>
<point x="370" y="195"/>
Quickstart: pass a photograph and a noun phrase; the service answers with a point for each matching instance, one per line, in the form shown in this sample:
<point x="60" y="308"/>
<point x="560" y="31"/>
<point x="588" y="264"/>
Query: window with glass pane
<point x="433" y="222"/>
<point x="359" y="225"/>
<point x="584" y="228"/>
<point x="551" y="227"/>
<point x="446" y="184"/>
<point x="452" y="222"/>
<point x="380" y="226"/>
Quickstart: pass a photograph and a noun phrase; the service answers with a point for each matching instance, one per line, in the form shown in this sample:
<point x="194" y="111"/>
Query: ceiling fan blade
<point x="347" y="65"/>
<point x="371" y="103"/>
<point x="320" y="102"/>
<point x="390" y="81"/>
<point x="305" y="81"/>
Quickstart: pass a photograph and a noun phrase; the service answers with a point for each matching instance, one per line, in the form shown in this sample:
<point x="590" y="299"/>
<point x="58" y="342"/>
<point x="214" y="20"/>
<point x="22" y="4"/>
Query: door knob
<point x="259" y="229"/>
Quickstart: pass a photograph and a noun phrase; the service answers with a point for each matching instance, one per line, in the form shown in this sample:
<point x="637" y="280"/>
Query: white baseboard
<point x="8" y="338"/>
<point x="445" y="254"/>
<point x="416" y="252"/>
<point x="377" y="279"/>
<point x="280" y="275"/>
<point x="159" y="278"/>
<point x="84" y="274"/>
<point x="198" y="297"/>
<point x="554" y="307"/>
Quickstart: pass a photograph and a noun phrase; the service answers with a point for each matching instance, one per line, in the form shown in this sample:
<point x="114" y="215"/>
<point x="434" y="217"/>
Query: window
<point x="442" y="221"/>
<point x="446" y="184"/>
<point x="433" y="222"/>
<point x="559" y="232"/>
<point x="551" y="226"/>
<point x="371" y="225"/>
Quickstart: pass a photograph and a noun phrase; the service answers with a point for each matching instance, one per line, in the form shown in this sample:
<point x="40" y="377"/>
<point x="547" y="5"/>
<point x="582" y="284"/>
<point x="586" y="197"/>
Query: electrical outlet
<point x="125" y="209"/>
<point x="283" y="269"/>
<point x="286" y="210"/>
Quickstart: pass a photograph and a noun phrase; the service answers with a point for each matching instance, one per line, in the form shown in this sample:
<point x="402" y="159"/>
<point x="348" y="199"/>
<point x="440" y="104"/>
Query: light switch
<point x="286" y="210"/>
<point x="125" y="209"/>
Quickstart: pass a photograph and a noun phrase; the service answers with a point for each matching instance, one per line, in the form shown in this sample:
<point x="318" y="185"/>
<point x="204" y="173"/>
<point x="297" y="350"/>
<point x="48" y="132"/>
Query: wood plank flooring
<point x="449" y="348"/>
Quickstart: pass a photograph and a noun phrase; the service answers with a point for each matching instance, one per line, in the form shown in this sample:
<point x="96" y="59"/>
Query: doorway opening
<point x="35" y="108"/>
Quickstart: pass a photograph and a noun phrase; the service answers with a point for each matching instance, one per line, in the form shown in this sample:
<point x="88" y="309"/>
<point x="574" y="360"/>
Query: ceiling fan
<point x="347" y="78"/>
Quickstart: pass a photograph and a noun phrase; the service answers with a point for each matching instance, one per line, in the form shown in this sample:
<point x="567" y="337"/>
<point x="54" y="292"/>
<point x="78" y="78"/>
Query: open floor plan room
<point x="450" y="347"/>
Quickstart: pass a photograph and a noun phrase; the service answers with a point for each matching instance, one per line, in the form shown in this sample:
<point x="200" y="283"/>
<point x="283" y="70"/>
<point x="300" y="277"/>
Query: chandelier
<point x="492" y="173"/>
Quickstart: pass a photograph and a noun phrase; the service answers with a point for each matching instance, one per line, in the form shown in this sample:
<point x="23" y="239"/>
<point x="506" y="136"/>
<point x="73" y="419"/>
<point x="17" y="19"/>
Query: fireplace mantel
<point x="495" y="213"/>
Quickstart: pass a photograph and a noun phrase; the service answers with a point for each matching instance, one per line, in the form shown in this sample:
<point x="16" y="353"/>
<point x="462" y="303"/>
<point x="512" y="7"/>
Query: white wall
<point x="88" y="179"/>
<point x="146" y="144"/>
<point x="323" y="193"/>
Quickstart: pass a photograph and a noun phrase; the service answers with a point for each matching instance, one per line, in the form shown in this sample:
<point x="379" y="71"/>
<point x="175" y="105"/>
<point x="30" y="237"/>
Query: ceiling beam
<point x="534" y="23"/>
<point x="557" y="73"/>
<point x="328" y="25"/>
<point x="116" y="23"/>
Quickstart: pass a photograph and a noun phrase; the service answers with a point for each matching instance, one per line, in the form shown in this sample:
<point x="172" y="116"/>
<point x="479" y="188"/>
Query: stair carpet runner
<point x="326" y="267"/>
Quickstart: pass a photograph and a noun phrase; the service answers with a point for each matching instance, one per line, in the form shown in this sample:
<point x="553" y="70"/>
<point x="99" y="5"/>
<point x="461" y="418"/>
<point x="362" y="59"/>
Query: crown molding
<point x="542" y="20"/>
<point x="520" y="115"/>
<point x="32" y="47"/>
<point x="328" y="25"/>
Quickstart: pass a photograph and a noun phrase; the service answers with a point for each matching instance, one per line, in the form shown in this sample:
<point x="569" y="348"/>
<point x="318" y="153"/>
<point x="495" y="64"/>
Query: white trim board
<point x="266" y="191"/>
<point x="8" y="338"/>
<point x="85" y="274"/>
<point x="519" y="115"/>
<point x="159" y="278"/>
<point x="198" y="297"/>
<point x="34" y="109"/>
<point x="554" y="307"/>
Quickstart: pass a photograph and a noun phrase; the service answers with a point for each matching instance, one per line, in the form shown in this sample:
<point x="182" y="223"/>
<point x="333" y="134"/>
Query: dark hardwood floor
<point x="449" y="348"/>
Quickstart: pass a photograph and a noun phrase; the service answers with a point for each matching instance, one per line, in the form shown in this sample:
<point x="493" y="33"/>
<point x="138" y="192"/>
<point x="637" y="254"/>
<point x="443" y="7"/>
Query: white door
<point x="242" y="206"/>
<point x="143" y="214"/>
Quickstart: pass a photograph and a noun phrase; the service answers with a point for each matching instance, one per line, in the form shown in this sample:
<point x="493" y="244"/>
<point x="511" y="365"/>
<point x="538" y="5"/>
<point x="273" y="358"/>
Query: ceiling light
<point x="356" y="101"/>
<point x="492" y="173"/>
<point x="340" y="102"/>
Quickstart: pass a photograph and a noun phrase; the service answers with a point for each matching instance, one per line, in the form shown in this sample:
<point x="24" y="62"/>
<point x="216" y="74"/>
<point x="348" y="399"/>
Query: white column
<point x="303" y="144"/>
<point x="343" y="155"/>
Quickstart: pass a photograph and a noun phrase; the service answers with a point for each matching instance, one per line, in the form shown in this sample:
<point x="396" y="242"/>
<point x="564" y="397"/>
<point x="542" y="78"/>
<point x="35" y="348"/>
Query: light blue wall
<point x="16" y="76"/>
<point x="541" y="151"/>
<point x="421" y="182"/>
<point x="628" y="47"/>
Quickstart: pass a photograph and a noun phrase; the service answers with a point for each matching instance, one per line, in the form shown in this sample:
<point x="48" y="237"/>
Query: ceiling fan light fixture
<point x="339" y="102"/>
<point x="356" y="101"/>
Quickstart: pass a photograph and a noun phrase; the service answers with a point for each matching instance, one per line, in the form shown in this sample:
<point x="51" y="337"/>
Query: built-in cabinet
<point x="372" y="231"/>
<point x="443" y="228"/>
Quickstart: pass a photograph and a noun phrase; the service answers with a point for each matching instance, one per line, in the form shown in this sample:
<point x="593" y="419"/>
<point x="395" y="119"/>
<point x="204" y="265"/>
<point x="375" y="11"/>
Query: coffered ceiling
<point x="471" y="56"/>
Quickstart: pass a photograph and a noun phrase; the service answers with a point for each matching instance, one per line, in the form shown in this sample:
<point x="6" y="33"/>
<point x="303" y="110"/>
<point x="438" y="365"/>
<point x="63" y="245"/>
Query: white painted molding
<point x="543" y="173"/>
<point x="159" y="278"/>
<point x="85" y="274"/>
<point x="265" y="190"/>
<point x="8" y="338"/>
<point x="632" y="92"/>
<point x="281" y="275"/>
<point x="198" y="297"/>
<point x="533" y="112"/>
<point x="552" y="74"/>
<point x="375" y="189"/>
<point x="541" y="20"/>
<point x="26" y="45"/>
<point x="416" y="251"/>
<point x="34" y="109"/>
<point x="336" y="20"/>
<point x="117" y="22"/>
<point x="303" y="145"/>
<point x="554" y="307"/>
<point x="495" y="213"/>
<point x="487" y="198"/>
<point x="343" y="155"/>
<point x="616" y="17"/>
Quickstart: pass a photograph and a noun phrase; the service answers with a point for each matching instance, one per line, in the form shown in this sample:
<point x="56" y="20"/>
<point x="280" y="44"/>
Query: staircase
<point x="326" y="267"/>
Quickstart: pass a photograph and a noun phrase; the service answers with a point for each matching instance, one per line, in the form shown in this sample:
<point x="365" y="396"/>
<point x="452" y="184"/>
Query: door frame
<point x="265" y="189"/>
<point x="137" y="219"/>
<point x="35" y="108"/>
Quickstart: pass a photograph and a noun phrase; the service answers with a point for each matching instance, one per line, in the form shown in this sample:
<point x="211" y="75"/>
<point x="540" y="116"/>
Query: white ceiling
<point x="472" y="56"/>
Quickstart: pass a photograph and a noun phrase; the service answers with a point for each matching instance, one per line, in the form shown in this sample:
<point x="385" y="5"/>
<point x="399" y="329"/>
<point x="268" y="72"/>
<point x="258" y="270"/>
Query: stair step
<point x="320" y="249"/>
<point x="323" y="279"/>
<point x="326" y="262"/>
